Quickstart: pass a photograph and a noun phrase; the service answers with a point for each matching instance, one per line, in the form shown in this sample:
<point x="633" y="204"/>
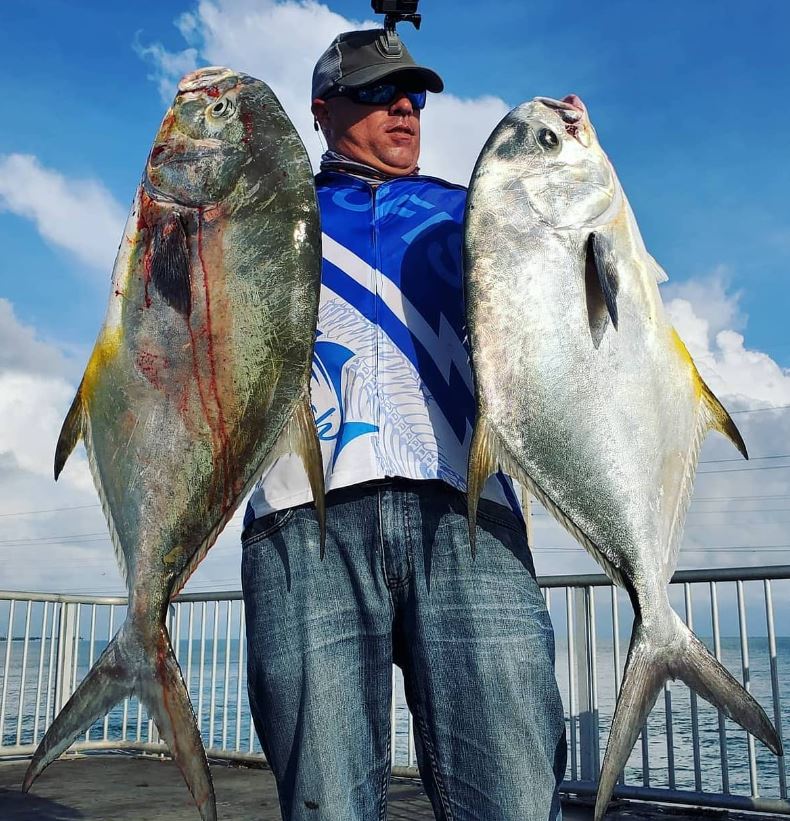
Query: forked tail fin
<point x="648" y="666"/>
<point x="126" y="667"/>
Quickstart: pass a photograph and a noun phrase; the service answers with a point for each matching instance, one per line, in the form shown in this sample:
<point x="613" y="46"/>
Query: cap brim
<point x="421" y="76"/>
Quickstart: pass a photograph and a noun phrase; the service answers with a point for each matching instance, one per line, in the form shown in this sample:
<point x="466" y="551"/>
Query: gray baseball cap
<point x="358" y="58"/>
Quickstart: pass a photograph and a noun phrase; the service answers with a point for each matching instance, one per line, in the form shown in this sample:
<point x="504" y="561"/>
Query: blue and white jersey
<point x="391" y="388"/>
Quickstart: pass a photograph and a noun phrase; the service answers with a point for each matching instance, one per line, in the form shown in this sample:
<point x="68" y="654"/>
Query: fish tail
<point x="648" y="667"/>
<point x="482" y="463"/>
<point x="106" y="683"/>
<point x="700" y="670"/>
<point x="127" y="666"/>
<point x="165" y="696"/>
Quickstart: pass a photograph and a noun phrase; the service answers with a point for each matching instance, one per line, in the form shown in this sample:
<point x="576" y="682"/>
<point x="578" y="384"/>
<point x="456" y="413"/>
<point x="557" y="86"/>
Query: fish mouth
<point x="162" y="197"/>
<point x="572" y="112"/>
<point x="176" y="152"/>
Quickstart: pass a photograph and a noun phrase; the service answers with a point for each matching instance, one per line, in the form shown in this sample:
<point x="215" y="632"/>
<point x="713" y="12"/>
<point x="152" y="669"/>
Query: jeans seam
<point x="382" y="552"/>
<point x="386" y="777"/>
<point x="406" y="500"/>
<point x="433" y="761"/>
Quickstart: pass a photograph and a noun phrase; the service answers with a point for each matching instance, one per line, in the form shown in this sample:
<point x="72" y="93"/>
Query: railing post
<point x="65" y="659"/>
<point x="588" y="740"/>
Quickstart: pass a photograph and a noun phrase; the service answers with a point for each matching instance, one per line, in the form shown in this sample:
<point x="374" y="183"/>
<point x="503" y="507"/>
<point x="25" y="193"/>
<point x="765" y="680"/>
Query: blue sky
<point x="689" y="101"/>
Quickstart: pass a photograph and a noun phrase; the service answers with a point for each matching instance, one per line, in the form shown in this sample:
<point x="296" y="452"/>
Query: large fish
<point x="586" y="393"/>
<point x="199" y="377"/>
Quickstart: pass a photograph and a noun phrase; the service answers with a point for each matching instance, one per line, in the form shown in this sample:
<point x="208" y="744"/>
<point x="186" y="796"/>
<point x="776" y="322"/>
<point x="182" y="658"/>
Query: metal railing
<point x="689" y="753"/>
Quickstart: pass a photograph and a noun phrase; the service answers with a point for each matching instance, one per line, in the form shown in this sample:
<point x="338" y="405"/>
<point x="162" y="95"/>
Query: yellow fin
<point x="720" y="420"/>
<point x="483" y="461"/>
<point x="300" y="437"/>
<point x="71" y="432"/>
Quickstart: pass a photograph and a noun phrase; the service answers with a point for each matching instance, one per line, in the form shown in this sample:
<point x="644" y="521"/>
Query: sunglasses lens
<point x="417" y="98"/>
<point x="385" y="93"/>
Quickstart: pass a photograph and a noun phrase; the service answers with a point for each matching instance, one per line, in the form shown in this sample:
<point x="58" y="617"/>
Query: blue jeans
<point x="398" y="584"/>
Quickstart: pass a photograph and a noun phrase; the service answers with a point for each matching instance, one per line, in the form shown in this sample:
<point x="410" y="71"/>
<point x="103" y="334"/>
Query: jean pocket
<point x="266" y="526"/>
<point x="501" y="515"/>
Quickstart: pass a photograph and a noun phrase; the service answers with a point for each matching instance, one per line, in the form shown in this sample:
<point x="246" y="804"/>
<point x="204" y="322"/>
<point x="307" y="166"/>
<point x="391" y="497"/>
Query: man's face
<point x="386" y="137"/>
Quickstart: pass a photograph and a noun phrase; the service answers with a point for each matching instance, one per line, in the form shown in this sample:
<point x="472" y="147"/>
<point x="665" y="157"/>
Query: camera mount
<point x="395" y="11"/>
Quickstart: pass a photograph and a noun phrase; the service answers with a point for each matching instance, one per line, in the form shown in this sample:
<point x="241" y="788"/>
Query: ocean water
<point x="217" y="683"/>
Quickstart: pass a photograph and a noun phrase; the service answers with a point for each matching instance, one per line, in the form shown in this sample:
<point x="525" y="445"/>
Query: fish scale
<point x="198" y="380"/>
<point x="586" y="394"/>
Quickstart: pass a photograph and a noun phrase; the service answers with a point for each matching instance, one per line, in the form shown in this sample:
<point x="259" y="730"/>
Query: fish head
<point x="549" y="152"/>
<point x="201" y="147"/>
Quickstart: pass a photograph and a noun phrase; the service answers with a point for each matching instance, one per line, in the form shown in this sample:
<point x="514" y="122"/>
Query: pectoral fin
<point x="601" y="280"/>
<point x="170" y="263"/>
<point x="70" y="433"/>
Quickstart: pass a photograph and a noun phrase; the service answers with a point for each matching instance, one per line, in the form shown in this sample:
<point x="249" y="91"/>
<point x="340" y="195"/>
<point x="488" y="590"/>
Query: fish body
<point x="586" y="393"/>
<point x="199" y="377"/>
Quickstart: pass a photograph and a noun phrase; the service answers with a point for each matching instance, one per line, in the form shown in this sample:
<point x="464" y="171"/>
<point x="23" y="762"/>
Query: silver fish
<point x="199" y="378"/>
<point x="585" y="392"/>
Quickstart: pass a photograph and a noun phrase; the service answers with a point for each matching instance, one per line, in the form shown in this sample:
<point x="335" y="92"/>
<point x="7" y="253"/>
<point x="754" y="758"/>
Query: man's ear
<point x="320" y="116"/>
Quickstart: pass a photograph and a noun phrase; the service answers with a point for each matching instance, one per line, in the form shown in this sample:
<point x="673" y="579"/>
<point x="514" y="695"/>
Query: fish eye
<point x="548" y="139"/>
<point x="222" y="108"/>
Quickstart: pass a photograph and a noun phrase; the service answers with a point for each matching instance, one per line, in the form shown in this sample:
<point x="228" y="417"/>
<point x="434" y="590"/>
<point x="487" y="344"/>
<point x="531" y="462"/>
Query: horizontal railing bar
<point x="720" y="574"/>
<point x="685" y="797"/>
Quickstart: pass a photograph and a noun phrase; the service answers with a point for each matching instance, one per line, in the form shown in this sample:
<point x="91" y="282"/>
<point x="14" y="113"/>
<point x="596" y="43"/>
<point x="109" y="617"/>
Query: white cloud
<point x="22" y="351"/>
<point x="712" y="298"/>
<point x="78" y="215"/>
<point x="704" y="314"/>
<point x="279" y="42"/>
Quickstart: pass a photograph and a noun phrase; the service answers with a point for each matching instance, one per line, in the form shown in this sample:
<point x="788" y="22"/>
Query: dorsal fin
<point x="71" y="432"/>
<point x="720" y="420"/>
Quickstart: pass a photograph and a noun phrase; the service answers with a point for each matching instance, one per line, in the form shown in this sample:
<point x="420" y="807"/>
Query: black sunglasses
<point x="379" y="94"/>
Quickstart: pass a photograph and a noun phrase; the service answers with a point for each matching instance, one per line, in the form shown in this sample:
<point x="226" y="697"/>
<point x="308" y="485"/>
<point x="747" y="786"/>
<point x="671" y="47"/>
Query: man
<point x="394" y="406"/>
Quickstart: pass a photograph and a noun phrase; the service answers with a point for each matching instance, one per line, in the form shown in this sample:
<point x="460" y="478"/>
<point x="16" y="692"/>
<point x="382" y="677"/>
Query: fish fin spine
<point x="483" y="461"/>
<point x="71" y="432"/>
<point x="303" y="437"/>
<point x="648" y="666"/>
<point x="720" y="419"/>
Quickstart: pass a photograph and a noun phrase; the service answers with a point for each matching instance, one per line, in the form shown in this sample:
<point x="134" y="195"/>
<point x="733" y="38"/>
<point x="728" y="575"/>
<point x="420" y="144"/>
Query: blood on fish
<point x="151" y="366"/>
<point x="212" y="91"/>
<point x="246" y="119"/>
<point x="222" y="432"/>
